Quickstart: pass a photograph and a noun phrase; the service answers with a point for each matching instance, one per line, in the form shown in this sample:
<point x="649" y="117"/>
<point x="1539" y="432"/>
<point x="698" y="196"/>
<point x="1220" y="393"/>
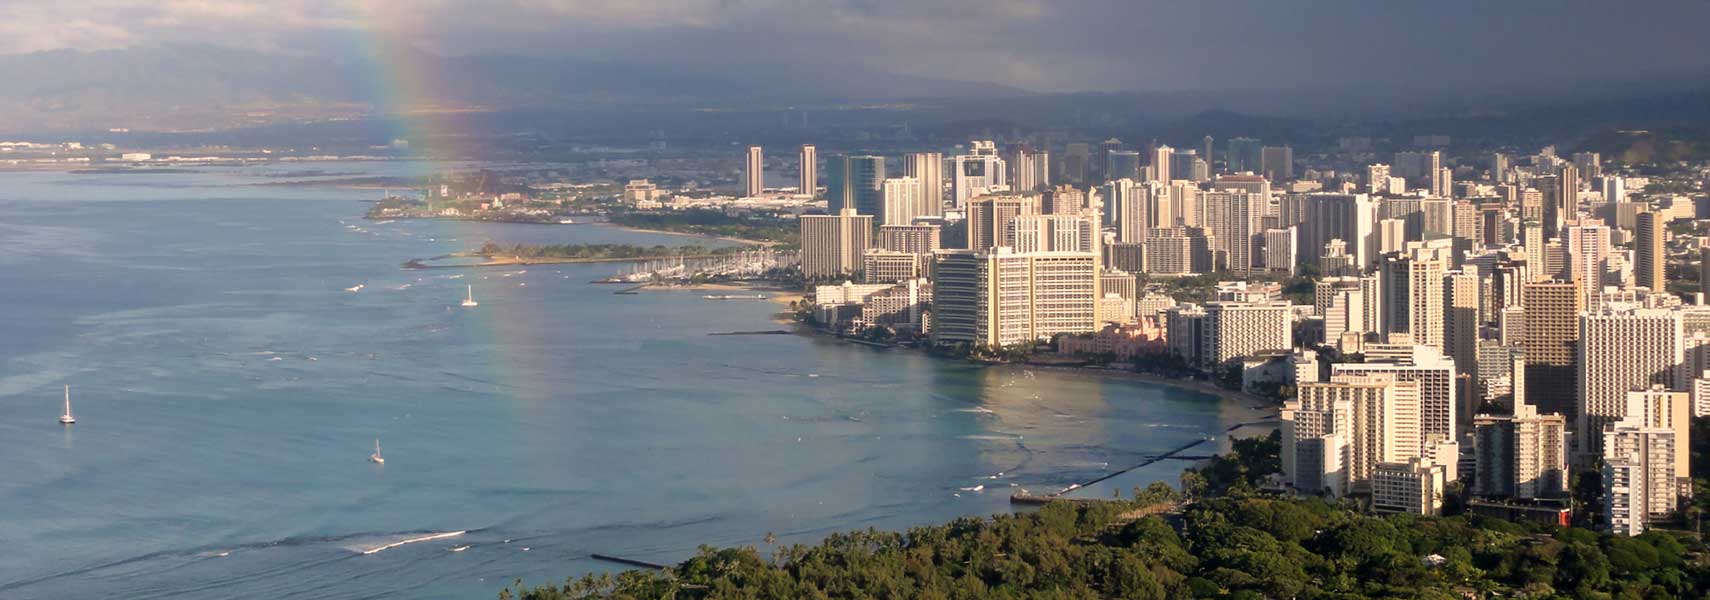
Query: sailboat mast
<point x="68" y="400"/>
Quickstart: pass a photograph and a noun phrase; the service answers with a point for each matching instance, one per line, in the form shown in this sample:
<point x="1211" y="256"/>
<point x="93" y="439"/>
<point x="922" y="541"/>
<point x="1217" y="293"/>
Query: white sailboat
<point x="67" y="419"/>
<point x="469" y="300"/>
<point x="375" y="457"/>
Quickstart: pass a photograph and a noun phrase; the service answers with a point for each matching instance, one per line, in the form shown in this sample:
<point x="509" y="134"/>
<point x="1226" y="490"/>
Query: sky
<point x="1067" y="45"/>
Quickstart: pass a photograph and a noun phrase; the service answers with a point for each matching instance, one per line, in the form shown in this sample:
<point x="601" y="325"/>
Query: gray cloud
<point x="1068" y="45"/>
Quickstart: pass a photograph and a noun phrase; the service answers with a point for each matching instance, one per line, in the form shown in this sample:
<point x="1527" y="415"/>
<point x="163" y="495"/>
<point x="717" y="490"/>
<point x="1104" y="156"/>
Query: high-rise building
<point x="886" y="266"/>
<point x="1462" y="298"/>
<point x="1245" y="155"/>
<point x="1076" y="157"/>
<point x="1663" y="408"/>
<point x="1347" y="217"/>
<point x="1235" y="330"/>
<point x="1335" y="434"/>
<point x="1377" y="178"/>
<point x="1415" y="487"/>
<point x="1436" y="376"/>
<point x="1639" y="484"/>
<point x="902" y="202"/>
<point x="978" y="173"/>
<point x="1161" y="170"/>
<point x="809" y="161"/>
<point x="1281" y="250"/>
<point x="1235" y="220"/>
<point x="1521" y="456"/>
<point x="1413" y="291"/>
<point x="1177" y="251"/>
<point x="834" y="245"/>
<point x="989" y="215"/>
<point x="1552" y="345"/>
<point x="999" y="298"/>
<point x="1050" y="233"/>
<point x="921" y="238"/>
<point x="1622" y="348"/>
<point x="753" y="173"/>
<point x="1278" y="163"/>
<point x="1122" y="164"/>
<point x="855" y="182"/>
<point x="1207" y="150"/>
<point x="1652" y="252"/>
<point x="1587" y="246"/>
<point x="1029" y="169"/>
<point x="928" y="169"/>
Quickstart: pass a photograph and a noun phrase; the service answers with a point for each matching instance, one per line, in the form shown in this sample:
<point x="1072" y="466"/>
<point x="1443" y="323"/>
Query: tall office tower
<point x="902" y="201"/>
<point x="1335" y="434"/>
<point x="1281" y="247"/>
<point x="1551" y="207"/>
<point x="855" y="182"/>
<point x="1433" y="166"/>
<point x="809" y="161"/>
<point x="922" y="239"/>
<point x="1499" y="167"/>
<point x="1347" y="217"/>
<point x="1245" y="155"/>
<point x="1567" y="178"/>
<point x="753" y="173"/>
<point x="1468" y="230"/>
<point x="1210" y="160"/>
<point x="833" y="245"/>
<point x="1122" y="164"/>
<point x="1177" y="251"/>
<point x="1161" y="170"/>
<point x="1590" y="164"/>
<point x="978" y="173"/>
<point x="1102" y="158"/>
<point x="928" y="169"/>
<point x="1660" y="407"/>
<point x="1377" y="178"/>
<point x="1614" y="189"/>
<point x="1050" y="233"/>
<point x="1437" y="217"/>
<point x="1620" y="349"/>
<point x="1235" y="220"/>
<point x="1532" y="243"/>
<point x="1125" y="256"/>
<point x="1234" y="330"/>
<point x="1134" y="204"/>
<point x="1024" y="170"/>
<point x="1063" y="200"/>
<point x="1532" y="205"/>
<point x="1651" y="251"/>
<point x="1277" y="163"/>
<point x="1413" y="291"/>
<point x="1587" y="245"/>
<point x="1552" y="345"/>
<point x="1443" y="184"/>
<point x="1435" y="373"/>
<point x="1638" y="476"/>
<point x="1000" y="298"/>
<point x="1522" y="456"/>
<point x="1461" y="322"/>
<point x="988" y="216"/>
<point x="1076" y="157"/>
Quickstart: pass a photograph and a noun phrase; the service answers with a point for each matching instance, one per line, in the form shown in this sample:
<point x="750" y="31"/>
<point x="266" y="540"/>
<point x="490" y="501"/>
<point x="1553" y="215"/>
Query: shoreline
<point x="517" y="261"/>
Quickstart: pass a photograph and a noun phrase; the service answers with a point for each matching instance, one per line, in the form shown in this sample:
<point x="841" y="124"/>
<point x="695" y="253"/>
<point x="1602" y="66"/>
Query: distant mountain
<point x="201" y="87"/>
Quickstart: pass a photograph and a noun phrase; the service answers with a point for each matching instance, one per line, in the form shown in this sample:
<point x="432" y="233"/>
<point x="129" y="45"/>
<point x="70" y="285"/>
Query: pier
<point x="629" y="561"/>
<point x="1174" y="454"/>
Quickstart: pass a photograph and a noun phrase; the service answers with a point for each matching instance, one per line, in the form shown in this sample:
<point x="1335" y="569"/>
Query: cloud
<point x="1045" y="45"/>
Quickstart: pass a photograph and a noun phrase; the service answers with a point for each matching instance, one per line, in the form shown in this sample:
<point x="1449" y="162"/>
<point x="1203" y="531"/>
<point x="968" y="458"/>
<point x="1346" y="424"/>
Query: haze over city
<point x="539" y="299"/>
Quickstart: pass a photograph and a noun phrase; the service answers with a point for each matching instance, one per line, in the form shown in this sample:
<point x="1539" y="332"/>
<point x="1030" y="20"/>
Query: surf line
<point x="425" y="538"/>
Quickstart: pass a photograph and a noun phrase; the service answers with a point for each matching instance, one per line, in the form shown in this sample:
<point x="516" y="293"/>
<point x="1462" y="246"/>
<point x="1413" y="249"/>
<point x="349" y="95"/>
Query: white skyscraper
<point x="809" y="170"/>
<point x="753" y="173"/>
<point x="902" y="201"/>
<point x="928" y="169"/>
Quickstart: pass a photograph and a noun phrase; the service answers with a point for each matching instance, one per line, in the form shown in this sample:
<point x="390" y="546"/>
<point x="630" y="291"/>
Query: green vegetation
<point x="599" y="251"/>
<point x="1232" y="542"/>
<point x="712" y="222"/>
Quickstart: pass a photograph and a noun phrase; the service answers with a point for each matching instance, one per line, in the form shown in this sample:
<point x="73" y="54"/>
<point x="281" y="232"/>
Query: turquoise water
<point x="229" y="390"/>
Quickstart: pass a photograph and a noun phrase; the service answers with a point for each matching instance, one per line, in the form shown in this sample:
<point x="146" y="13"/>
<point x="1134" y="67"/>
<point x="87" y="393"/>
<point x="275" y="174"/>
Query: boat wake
<point x="414" y="540"/>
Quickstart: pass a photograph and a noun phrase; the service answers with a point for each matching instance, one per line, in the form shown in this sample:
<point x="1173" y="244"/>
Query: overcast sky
<point x="1069" y="45"/>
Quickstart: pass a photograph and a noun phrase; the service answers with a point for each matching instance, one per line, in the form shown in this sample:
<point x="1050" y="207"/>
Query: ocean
<point x="228" y="391"/>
